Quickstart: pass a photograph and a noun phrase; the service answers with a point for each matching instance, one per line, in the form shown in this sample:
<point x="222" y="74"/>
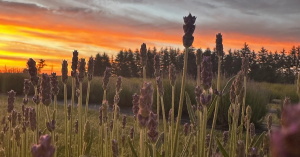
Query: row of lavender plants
<point x="22" y="137"/>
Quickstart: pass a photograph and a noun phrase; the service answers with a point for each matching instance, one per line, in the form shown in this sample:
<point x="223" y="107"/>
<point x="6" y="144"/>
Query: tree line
<point x="264" y="65"/>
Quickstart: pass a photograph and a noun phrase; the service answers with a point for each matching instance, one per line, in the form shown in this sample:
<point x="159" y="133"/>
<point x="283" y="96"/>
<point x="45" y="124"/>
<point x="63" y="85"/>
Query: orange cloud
<point x="29" y="31"/>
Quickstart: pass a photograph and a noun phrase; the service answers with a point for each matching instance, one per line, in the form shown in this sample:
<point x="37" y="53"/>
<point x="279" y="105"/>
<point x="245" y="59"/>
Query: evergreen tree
<point x="165" y="62"/>
<point x="101" y="62"/>
<point x="132" y="64"/>
<point x="150" y="63"/>
<point x="138" y="63"/>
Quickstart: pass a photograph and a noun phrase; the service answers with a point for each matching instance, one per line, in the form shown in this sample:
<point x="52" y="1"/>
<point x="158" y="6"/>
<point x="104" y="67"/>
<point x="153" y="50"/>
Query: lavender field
<point x="80" y="115"/>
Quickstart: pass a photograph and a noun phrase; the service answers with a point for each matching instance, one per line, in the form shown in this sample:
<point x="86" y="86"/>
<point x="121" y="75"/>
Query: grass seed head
<point x="144" y="56"/>
<point x="45" y="90"/>
<point x="188" y="28"/>
<point x="74" y="63"/>
<point x="64" y="72"/>
<point x="10" y="101"/>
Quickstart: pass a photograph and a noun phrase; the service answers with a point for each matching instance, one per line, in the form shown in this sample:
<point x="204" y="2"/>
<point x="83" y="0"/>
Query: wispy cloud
<point x="56" y="27"/>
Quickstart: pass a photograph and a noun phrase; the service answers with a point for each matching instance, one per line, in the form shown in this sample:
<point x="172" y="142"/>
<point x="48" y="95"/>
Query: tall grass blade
<point x="224" y="92"/>
<point x="131" y="146"/>
<point x="222" y="149"/>
<point x="190" y="108"/>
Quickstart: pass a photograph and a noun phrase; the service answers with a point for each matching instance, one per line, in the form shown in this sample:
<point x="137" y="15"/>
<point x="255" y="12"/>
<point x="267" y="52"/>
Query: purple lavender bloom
<point x="44" y="148"/>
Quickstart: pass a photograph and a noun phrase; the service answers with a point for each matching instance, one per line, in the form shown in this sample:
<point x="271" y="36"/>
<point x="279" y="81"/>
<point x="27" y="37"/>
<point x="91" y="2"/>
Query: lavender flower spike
<point x="188" y="28"/>
<point x="91" y="64"/>
<point x="286" y="141"/>
<point x="152" y="126"/>
<point x="10" y="101"/>
<point x="135" y="104"/>
<point x="74" y="64"/>
<point x="54" y="84"/>
<point x="44" y="148"/>
<point x="45" y="90"/>
<point x="34" y="79"/>
<point x="107" y="74"/>
<point x="219" y="44"/>
<point x="64" y="72"/>
<point x="145" y="103"/>
<point x="81" y="69"/>
<point x="206" y="73"/>
<point x="144" y="57"/>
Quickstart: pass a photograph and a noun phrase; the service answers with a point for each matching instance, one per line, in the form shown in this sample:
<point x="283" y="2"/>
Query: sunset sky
<point x="52" y="29"/>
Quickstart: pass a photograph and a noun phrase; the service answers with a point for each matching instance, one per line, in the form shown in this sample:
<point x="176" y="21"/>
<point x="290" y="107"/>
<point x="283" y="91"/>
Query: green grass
<point x="258" y="94"/>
